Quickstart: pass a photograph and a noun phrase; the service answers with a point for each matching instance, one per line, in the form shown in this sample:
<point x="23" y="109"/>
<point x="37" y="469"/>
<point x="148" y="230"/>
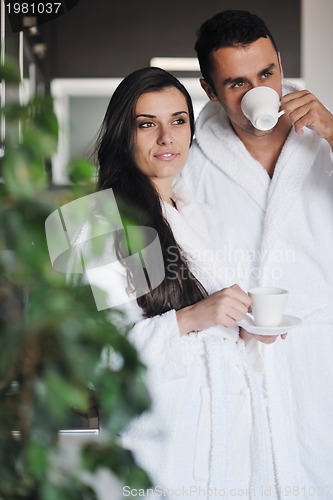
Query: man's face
<point x="236" y="70"/>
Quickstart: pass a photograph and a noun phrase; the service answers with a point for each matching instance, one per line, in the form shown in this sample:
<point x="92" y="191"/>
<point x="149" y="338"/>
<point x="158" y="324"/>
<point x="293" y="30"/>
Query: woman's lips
<point x="166" y="156"/>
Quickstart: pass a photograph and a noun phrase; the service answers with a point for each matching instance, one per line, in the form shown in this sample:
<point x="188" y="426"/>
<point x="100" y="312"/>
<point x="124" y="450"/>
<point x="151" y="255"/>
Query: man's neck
<point x="267" y="148"/>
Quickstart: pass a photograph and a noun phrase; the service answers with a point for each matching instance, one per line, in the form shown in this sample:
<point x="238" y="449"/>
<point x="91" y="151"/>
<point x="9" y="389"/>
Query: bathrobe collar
<point x="219" y="143"/>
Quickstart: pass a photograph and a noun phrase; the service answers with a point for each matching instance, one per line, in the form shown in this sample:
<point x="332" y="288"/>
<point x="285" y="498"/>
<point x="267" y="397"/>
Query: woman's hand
<point x="265" y="339"/>
<point x="224" y="307"/>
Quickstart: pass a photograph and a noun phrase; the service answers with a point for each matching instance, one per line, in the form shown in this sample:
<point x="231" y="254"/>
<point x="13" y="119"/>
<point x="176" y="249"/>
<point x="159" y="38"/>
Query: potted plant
<point x="52" y="335"/>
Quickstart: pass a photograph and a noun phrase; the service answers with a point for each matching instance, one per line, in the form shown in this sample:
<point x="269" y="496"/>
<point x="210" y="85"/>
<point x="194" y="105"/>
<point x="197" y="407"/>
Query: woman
<point x="207" y="420"/>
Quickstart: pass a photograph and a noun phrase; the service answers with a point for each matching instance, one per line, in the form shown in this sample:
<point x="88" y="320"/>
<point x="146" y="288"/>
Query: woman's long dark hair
<point x="117" y="170"/>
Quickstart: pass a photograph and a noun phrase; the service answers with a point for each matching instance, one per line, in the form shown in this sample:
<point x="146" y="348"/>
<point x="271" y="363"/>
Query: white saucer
<point x="287" y="323"/>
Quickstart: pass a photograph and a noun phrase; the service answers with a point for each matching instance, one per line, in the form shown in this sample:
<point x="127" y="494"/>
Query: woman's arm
<point x="224" y="307"/>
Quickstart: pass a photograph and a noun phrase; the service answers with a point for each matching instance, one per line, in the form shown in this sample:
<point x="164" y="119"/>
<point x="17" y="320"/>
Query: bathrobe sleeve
<point x="161" y="346"/>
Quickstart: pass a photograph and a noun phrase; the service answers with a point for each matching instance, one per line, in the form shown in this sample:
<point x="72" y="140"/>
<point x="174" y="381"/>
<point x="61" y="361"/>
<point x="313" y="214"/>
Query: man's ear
<point x="280" y="64"/>
<point x="208" y="89"/>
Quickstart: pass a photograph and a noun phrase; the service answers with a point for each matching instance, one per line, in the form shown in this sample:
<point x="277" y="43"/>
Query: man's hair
<point x="229" y="28"/>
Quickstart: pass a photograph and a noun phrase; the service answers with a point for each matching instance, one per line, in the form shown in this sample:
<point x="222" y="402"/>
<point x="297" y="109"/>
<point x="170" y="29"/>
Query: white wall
<point x="317" y="48"/>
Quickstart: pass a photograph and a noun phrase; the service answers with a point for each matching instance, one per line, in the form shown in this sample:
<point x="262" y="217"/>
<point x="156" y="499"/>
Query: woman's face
<point x="163" y="134"/>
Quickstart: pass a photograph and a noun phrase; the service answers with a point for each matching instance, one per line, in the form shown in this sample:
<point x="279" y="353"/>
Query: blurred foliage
<point x="51" y="335"/>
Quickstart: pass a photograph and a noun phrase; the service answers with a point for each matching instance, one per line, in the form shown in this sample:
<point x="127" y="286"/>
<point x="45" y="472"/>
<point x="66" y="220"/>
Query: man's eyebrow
<point x="176" y="113"/>
<point x="239" y="79"/>
<point x="269" y="68"/>
<point x="229" y="81"/>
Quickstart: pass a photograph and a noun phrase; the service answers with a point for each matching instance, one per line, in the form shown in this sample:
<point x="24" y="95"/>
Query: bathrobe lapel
<point x="275" y="197"/>
<point x="292" y="169"/>
<point x="225" y="150"/>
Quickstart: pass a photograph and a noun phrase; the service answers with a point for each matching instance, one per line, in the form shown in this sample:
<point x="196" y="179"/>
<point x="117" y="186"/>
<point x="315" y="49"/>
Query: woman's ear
<point x="208" y="89"/>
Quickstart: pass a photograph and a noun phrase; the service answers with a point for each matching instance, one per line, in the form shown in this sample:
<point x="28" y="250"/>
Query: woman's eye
<point x="146" y="125"/>
<point x="179" y="121"/>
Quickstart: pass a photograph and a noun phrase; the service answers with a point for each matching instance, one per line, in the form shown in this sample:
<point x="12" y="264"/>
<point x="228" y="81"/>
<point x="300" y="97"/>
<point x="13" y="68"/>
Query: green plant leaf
<point x="60" y="357"/>
<point x="72" y="489"/>
<point x="9" y="72"/>
<point x="37" y="460"/>
<point x="65" y="394"/>
<point x="24" y="177"/>
<point x="81" y="171"/>
<point x="116" y="459"/>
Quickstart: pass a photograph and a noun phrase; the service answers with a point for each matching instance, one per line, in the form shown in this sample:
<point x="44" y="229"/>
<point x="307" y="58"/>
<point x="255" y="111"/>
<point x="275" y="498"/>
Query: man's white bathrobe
<point x="207" y="429"/>
<point x="287" y="224"/>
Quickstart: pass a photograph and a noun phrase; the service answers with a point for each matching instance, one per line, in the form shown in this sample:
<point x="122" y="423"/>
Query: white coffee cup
<point x="261" y="106"/>
<point x="268" y="305"/>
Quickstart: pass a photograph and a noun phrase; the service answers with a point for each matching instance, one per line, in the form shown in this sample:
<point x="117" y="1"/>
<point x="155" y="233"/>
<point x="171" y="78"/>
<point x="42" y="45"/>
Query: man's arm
<point x="305" y="110"/>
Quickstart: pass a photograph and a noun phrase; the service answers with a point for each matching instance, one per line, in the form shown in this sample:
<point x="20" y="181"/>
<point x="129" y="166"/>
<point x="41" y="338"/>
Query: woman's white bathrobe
<point x="207" y="429"/>
<point x="287" y="224"/>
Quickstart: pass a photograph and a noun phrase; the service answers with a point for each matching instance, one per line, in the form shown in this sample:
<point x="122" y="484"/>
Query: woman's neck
<point x="164" y="190"/>
<point x="169" y="201"/>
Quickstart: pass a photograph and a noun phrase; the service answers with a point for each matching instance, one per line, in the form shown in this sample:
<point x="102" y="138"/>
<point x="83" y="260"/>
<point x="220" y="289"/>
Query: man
<point x="275" y="188"/>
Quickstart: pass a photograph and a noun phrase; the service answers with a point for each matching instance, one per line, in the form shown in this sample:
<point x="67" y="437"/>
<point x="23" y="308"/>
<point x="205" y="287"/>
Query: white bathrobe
<point x="207" y="430"/>
<point x="287" y="224"/>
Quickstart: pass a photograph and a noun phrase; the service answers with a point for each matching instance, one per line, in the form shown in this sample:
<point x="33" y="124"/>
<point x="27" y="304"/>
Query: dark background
<point x="107" y="38"/>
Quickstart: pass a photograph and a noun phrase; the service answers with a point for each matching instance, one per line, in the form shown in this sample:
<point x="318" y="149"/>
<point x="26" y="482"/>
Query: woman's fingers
<point x="236" y="292"/>
<point x="265" y="339"/>
<point x="233" y="305"/>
